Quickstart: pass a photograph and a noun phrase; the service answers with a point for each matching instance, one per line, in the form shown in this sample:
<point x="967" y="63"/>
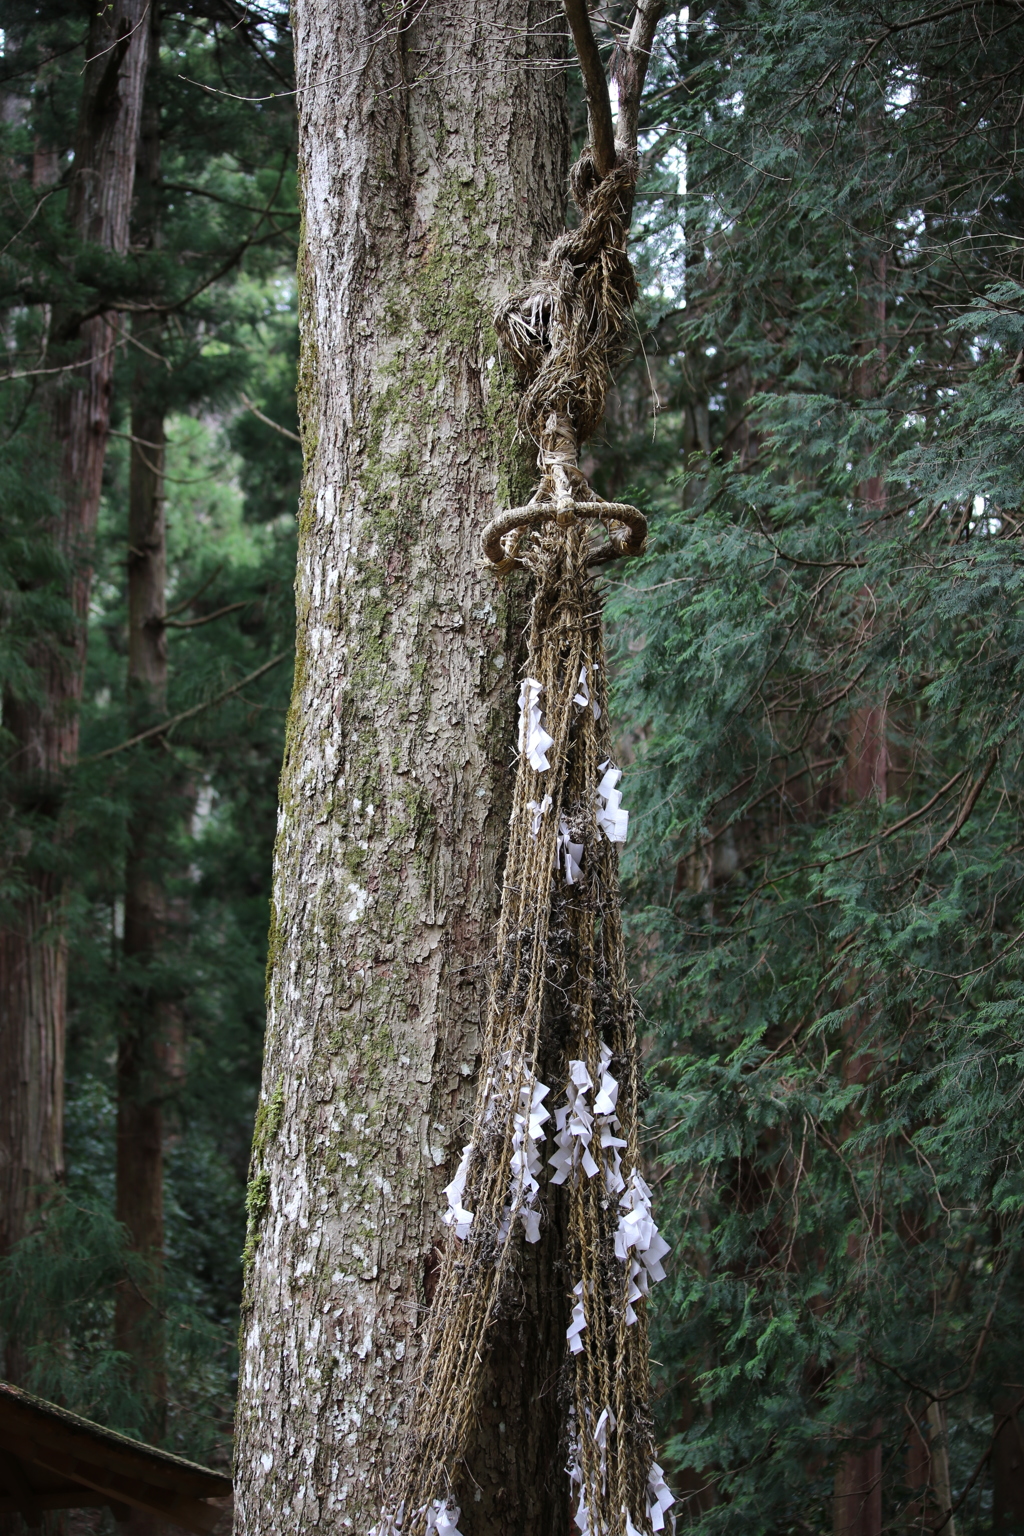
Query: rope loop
<point x="502" y="539"/>
<point x="563" y="497"/>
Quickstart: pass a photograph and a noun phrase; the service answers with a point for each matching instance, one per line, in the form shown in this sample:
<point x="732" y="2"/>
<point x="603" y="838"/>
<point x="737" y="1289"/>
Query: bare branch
<point x="206" y="618"/>
<point x="284" y="431"/>
<point x="968" y="805"/>
<point x="630" y="69"/>
<point x="599" y="107"/>
<point x="180" y="607"/>
<point x="186" y="714"/>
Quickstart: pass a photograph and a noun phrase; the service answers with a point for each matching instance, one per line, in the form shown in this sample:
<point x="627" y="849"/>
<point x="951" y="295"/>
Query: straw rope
<point x="559" y="991"/>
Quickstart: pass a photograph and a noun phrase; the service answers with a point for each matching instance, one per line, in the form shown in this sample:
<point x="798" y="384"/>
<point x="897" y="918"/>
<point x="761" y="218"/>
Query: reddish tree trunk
<point x="858" y="1486"/>
<point x="45" y="727"/>
<point x="858" y="1492"/>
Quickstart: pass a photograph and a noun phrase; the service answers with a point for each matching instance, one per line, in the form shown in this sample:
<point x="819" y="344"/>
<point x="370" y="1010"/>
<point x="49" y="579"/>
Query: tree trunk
<point x="917" y="1511"/>
<point x="858" y="1492"/>
<point x="433" y="158"/>
<point x="150" y="1061"/>
<point x="33" y="963"/>
<point x="938" y="1444"/>
<point x="148" y="1046"/>
<point x="139" y="1190"/>
<point x="857" y="1509"/>
<point x="1008" y="1465"/>
<point x="151" y="1050"/>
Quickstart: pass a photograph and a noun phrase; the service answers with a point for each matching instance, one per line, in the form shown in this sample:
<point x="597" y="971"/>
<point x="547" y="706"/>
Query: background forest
<point x="819" y="685"/>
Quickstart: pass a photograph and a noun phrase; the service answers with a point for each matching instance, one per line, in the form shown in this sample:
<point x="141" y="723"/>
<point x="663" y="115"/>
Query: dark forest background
<point x="819" y="685"/>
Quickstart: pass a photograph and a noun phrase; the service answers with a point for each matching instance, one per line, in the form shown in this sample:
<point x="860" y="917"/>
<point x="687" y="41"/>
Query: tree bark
<point x="149" y="1048"/>
<point x="857" y="1509"/>
<point x="44" y="727"/>
<point x="433" y="156"/>
<point x="147" y="1024"/>
<point x="918" y="1462"/>
<point x="858" y="1491"/>
<point x="938" y="1444"/>
<point x="1008" y="1464"/>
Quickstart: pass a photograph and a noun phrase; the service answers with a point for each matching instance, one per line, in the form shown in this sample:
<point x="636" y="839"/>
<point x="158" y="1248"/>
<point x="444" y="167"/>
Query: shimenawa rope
<point x="559" y="990"/>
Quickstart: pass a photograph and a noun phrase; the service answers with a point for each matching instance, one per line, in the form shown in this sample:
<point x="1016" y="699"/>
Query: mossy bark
<point x="433" y="159"/>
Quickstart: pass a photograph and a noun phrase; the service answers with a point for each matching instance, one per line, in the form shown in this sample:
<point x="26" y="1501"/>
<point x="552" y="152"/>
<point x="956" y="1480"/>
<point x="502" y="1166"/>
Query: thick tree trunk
<point x="433" y="156"/>
<point x="45" y="728"/>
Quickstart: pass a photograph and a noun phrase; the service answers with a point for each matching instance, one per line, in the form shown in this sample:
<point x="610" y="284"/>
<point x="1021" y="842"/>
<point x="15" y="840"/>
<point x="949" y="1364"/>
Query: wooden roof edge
<point x="24" y="1405"/>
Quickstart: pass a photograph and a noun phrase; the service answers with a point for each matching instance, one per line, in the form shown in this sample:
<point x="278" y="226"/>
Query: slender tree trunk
<point x="45" y="727"/>
<point x="938" y="1444"/>
<point x="917" y="1511"/>
<point x="433" y="157"/>
<point x="148" y="1045"/>
<point x="150" y="1058"/>
<point x="857" y="1507"/>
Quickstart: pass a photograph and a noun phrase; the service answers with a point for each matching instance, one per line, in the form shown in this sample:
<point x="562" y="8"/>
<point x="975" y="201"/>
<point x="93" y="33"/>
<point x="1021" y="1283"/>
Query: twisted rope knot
<point x="565" y="333"/>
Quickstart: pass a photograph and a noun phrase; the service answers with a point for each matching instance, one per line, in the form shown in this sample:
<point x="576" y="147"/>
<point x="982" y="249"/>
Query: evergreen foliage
<point x="821" y="660"/>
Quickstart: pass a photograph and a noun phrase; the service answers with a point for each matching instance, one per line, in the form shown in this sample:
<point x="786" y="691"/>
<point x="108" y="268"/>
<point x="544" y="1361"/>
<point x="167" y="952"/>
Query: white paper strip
<point x="578" y="1322"/>
<point x="574" y="1124"/>
<point x="611" y="818"/>
<point x="580" y="1128"/>
<point x="443" y="1519"/>
<point x="533" y="738"/>
<point x="582" y="1516"/>
<point x="572" y="853"/>
<point x="527" y="1158"/>
<point x="659" y="1498"/>
<point x="582" y="698"/>
<point x="526" y="1164"/>
<point x="638" y="1231"/>
<point x="601" y="1428"/>
<point x="456" y="1216"/>
<point x="539" y="812"/>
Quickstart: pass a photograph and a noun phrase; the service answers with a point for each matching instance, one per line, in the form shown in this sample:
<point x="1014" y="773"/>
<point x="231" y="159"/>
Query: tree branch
<point x="630" y="69"/>
<point x="284" y="431"/>
<point x="228" y="202"/>
<point x="186" y="714"/>
<point x="180" y="607"/>
<point x="968" y="805"/>
<point x="599" y="107"/>
<point x="206" y="618"/>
